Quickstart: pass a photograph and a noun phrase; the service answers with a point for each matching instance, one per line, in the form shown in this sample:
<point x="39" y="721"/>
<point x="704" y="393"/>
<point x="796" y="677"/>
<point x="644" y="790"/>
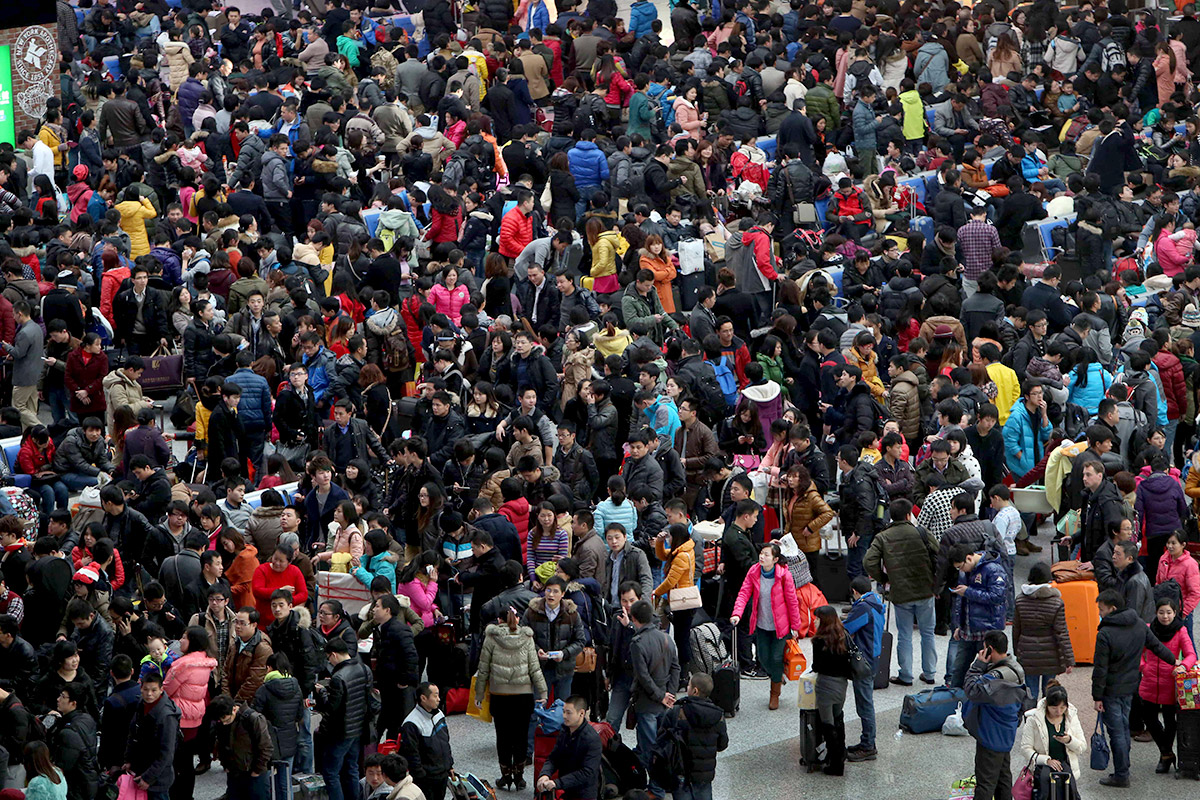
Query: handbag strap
<point x="1099" y="723"/>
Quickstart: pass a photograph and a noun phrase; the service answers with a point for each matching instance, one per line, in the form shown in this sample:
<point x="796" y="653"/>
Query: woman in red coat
<point x="445" y="222"/>
<point x="1157" y="689"/>
<point x="86" y="368"/>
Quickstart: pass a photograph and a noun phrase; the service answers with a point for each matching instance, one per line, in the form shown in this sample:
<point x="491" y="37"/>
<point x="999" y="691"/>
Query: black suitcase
<point x="1188" y="744"/>
<point x="829" y="573"/>
<point x="883" y="665"/>
<point x="812" y="748"/>
<point x="1054" y="785"/>
<point x="727" y="683"/>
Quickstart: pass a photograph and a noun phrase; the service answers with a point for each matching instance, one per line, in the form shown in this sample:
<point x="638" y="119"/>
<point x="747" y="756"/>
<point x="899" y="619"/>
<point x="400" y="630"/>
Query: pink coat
<point x="688" y="117"/>
<point x="1186" y="572"/>
<point x="450" y="301"/>
<point x="422" y="597"/>
<point x="1174" y="254"/>
<point x="1158" y="677"/>
<point x="784" y="607"/>
<point x="187" y="684"/>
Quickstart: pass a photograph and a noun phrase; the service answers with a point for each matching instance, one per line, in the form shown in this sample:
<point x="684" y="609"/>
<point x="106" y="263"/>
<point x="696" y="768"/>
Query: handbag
<point x="481" y="711"/>
<point x="586" y="660"/>
<point x="163" y="370"/>
<point x="1100" y="750"/>
<point x="1022" y="788"/>
<point x="293" y="453"/>
<point x="1067" y="571"/>
<point x="860" y="668"/>
<point x="684" y="598"/>
<point x="545" y="199"/>
<point x="549" y="717"/>
<point x="691" y="256"/>
<point x="794" y="662"/>
<point x="1187" y="689"/>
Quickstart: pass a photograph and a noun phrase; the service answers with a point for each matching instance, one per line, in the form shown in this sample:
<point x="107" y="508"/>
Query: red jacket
<point x="850" y="205"/>
<point x="88" y="377"/>
<point x="8" y="324"/>
<point x="1158" y="677"/>
<point x="517" y="512"/>
<point x="1174" y="386"/>
<point x="444" y="227"/>
<point x="556" y="69"/>
<point x="739" y="354"/>
<point x="764" y="255"/>
<point x="31" y="461"/>
<point x="116" y="578"/>
<point x="267" y="580"/>
<point x="410" y="310"/>
<point x="516" y="232"/>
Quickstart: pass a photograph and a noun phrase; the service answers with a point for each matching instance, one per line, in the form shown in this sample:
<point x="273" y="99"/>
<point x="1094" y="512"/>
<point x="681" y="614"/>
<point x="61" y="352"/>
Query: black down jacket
<point x="279" y="700"/>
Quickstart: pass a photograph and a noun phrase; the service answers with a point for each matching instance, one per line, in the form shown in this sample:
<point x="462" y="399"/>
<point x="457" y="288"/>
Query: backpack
<point x="1063" y="238"/>
<point x="37" y="729"/>
<point x="861" y="70"/>
<point x="882" y="415"/>
<point x="667" y="763"/>
<point x="712" y="397"/>
<point x="1074" y="421"/>
<point x="384" y="58"/>
<point x="883" y="514"/>
<point x="727" y="381"/>
<point x="454" y="172"/>
<point x="637" y="179"/>
<point x="709" y="652"/>
<point x="1111" y="54"/>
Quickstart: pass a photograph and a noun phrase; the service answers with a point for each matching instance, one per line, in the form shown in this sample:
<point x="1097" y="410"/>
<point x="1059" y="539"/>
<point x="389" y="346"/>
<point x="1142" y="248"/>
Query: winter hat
<point x="80" y="172"/>
<point x="943" y="332"/>
<point x="1191" y="316"/>
<point x="451" y="521"/>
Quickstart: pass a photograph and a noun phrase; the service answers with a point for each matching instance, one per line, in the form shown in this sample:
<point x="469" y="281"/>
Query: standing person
<point x="1040" y="638"/>
<point x="902" y="557"/>
<point x="559" y="635"/>
<point x="1157" y="689"/>
<point x="509" y="670"/>
<point x="244" y="743"/>
<point x="995" y="685"/>
<point x="344" y="704"/>
<point x="1116" y="672"/>
<point x="831" y="663"/>
<point x="865" y="624"/>
<point x="397" y="665"/>
<point x="978" y="607"/>
<point x="186" y="684"/>
<point x="675" y="548"/>
<point x="618" y="668"/>
<point x="702" y="724"/>
<point x="575" y="757"/>
<point x="770" y="595"/>
<point x="73" y="743"/>
<point x="280" y="701"/>
<point x="1177" y="563"/>
<point x="245" y="669"/>
<point x="655" y="679"/>
<point x="425" y="744"/>
<point x="150" y="749"/>
<point x="737" y="559"/>
<point x="858" y="504"/>
<point x="26" y="351"/>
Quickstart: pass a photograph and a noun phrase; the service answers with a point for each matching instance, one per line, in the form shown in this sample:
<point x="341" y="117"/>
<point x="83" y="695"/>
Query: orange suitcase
<point x="1083" y="618"/>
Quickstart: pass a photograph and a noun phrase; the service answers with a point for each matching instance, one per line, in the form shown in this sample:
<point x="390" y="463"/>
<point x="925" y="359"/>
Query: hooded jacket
<point x="565" y="632"/>
<point x="588" y="165"/>
<point x="982" y="607"/>
<point x="508" y="663"/>
<point x="997" y="698"/>
<point x="1160" y="504"/>
<point x="280" y="702"/>
<point x="702" y="724"/>
<point x="150" y="749"/>
<point x="187" y="684"/>
<point x="1120" y="640"/>
<point x="1040" y="638"/>
<point x="1035" y="738"/>
<point x="932" y="65"/>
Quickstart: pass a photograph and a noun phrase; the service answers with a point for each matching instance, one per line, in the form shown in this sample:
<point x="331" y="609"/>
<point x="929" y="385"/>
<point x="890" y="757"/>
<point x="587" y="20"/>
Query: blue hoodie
<point x="865" y="624"/>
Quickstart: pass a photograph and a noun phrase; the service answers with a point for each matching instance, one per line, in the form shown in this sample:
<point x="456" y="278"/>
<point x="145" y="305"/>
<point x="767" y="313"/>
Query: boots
<point x="776" y="687"/>
<point x="506" y="779"/>
<point x="835" y="748"/>
<point x="517" y="775"/>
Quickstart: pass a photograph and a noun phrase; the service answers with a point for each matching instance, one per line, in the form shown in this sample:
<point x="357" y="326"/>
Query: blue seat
<point x="929" y="117"/>
<point x="372" y="219"/>
<point x="835" y="274"/>
<point x="987" y="168"/>
<point x="932" y="187"/>
<point x="917" y="185"/>
<point x="1181" y="128"/>
<point x="1049" y="225"/>
<point x="822" y="207"/>
<point x="113" y="65"/>
<point x="12" y="447"/>
<point x="1038" y="92"/>
<point x="768" y="145"/>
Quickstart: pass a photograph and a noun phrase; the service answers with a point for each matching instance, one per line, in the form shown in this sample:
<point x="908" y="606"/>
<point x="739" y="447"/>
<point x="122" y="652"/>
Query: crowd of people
<point x="603" y="351"/>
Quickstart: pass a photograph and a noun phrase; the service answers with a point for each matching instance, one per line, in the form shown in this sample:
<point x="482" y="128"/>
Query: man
<point x="350" y="437"/>
<point x="895" y="473"/>
<point x="641" y="303"/>
<point x="589" y="166"/>
<point x="939" y="461"/>
<point x="25" y="351"/>
<point x="122" y="387"/>
<point x="859" y="503"/>
<point x="150" y="747"/>
<point x="290" y="636"/>
<point x="1116" y="672"/>
<point x="244" y="743"/>
<point x="219" y="621"/>
<point x="995" y="686"/>
<point x="738" y="556"/>
<point x="425" y="744"/>
<point x="117" y="713"/>
<point x="754" y="270"/>
<point x="978" y="608"/>
<point x="952" y="120"/>
<point x="180" y="573"/>
<point x="530" y="367"/>
<point x="1044" y="296"/>
<point x="865" y="623"/>
<point x="18" y="660"/>
<point x="397" y="667"/>
<point x="625" y="563"/>
<point x="516" y="227"/>
<point x="865" y="123"/>
<point x="695" y="443"/>
<point x="576" y="465"/>
<point x="140" y="316"/>
<point x="1133" y="581"/>
<point x="245" y="671"/>
<point x="903" y="556"/>
<point x="978" y="240"/>
<point x="254" y="407"/>
<point x="1102" y="509"/>
<point x="655" y="679"/>
<point x="94" y="637"/>
<point x="1027" y="430"/>
<point x="73" y="743"/>
<point x="344" y="702"/>
<point x="576" y="756"/>
<point x="987" y="445"/>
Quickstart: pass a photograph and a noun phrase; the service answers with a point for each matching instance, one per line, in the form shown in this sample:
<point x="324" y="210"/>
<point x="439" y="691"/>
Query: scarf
<point x="1166" y="632"/>
<point x="769" y="574"/>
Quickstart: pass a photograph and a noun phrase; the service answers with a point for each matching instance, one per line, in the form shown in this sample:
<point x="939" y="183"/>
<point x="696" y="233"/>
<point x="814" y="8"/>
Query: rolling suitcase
<point x="727" y="683"/>
<point x="1188" y="744"/>
<point x="829" y="572"/>
<point x="812" y="748"/>
<point x="883" y="665"/>
<point x="1083" y="618"/>
<point x="1055" y="785"/>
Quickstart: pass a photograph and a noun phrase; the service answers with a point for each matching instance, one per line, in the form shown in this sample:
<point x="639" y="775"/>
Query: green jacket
<point x="641" y="116"/>
<point x="350" y="49"/>
<point x="682" y="165"/>
<point x="635" y="307"/>
<point x="903" y="558"/>
<point x="772" y="369"/>
<point x="821" y="102"/>
<point x="955" y="474"/>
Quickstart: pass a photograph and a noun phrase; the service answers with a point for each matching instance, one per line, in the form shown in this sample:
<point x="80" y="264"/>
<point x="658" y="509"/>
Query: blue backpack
<point x="727" y="381"/>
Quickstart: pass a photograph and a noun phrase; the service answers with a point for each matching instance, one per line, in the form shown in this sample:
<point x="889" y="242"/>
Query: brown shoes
<point x="775" y="689"/>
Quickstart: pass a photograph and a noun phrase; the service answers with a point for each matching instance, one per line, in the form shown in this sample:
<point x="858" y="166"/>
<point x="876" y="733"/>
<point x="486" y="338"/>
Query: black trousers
<point x="434" y="788"/>
<point x="510" y="715"/>
<point x="1163" y="732"/>
<point x="397" y="701"/>
<point x="993" y="775"/>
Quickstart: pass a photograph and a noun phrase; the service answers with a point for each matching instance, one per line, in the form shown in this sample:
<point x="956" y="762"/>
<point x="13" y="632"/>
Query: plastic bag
<point x="954" y="725"/>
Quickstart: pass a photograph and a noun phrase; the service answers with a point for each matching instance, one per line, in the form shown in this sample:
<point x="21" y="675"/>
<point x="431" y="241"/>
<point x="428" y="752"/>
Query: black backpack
<point x="708" y="391"/>
<point x="667" y="760"/>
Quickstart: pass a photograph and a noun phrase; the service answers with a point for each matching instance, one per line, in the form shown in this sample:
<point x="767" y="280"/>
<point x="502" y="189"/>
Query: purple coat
<point x="769" y="400"/>
<point x="1161" y="504"/>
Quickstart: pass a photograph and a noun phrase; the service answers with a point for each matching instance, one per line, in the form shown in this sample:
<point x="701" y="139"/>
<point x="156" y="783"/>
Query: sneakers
<point x="754" y="674"/>
<point x="860" y="753"/>
<point x="1115" y="782"/>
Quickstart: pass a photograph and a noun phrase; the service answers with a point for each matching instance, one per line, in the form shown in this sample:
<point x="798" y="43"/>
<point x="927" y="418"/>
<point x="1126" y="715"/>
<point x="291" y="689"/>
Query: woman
<point x="1005" y="57"/>
<point x="805" y="511"/>
<point x="510" y="672"/>
<point x="773" y="622"/>
<point x="240" y="561"/>
<point x="1088" y="381"/>
<point x="335" y="623"/>
<point x="603" y="240"/>
<point x="430" y="502"/>
<point x="449" y="296"/>
<point x="64" y="669"/>
<point x="654" y="257"/>
<point x="608" y="76"/>
<point x="281" y="701"/>
<point x="563" y="194"/>
<point x="831" y="663"/>
<point x="482" y="413"/>
<point x="186" y="683"/>
<point x="577" y="363"/>
<point x="360" y="486"/>
<point x="495" y="358"/>
<point x="377" y="560"/>
<point x="34" y="459"/>
<point x="178" y="308"/>
<point x="445" y="226"/>
<point x="1172" y="249"/>
<point x="344" y="537"/>
<point x="81" y="554"/>
<point x="616" y="508"/>
<point x="1160" y="505"/>
<point x="688" y="115"/>
<point x="1052" y="735"/>
<point x="742" y="433"/>
<point x="675" y="548"/>
<point x="1157" y="689"/>
<point x="547" y="541"/>
<point x="1177" y="563"/>
<point x="377" y="400"/>
<point x="43" y="780"/>
<point x="770" y="357"/>
<point x="1164" y="71"/>
<point x="1040" y="638"/>
<point x="715" y="174"/>
<point x="419" y="582"/>
<point x="497" y="285"/>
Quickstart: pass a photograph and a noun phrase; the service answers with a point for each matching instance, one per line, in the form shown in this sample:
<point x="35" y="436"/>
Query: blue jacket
<point x="641" y="14"/>
<point x="982" y="607"/>
<point x="1024" y="445"/>
<point x="865" y="625"/>
<point x="539" y="17"/>
<point x="254" y="409"/>
<point x="1030" y="165"/>
<point x="172" y="267"/>
<point x="371" y="567"/>
<point x="321" y="371"/>
<point x="189" y="100"/>
<point x="996" y="700"/>
<point x="670" y="422"/>
<point x="1089" y="397"/>
<point x="589" y="165"/>
<point x="865" y="125"/>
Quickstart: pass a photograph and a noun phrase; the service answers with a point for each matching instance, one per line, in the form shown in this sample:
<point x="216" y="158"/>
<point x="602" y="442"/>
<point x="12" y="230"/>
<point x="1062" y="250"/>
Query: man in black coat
<point x="344" y="702"/>
<point x="140" y="314"/>
<point x="539" y="298"/>
<point x="1102" y="505"/>
<point x="397" y="667"/>
<point x="797" y="131"/>
<point x="575" y="758"/>
<point x="485" y="580"/>
<point x="1018" y="208"/>
<point x="658" y="180"/>
<point x="73" y="744"/>
<point x="1044" y="296"/>
<point x="18" y="659"/>
<point x="150" y="748"/>
<point x="702" y="724"/>
<point x="443" y="429"/>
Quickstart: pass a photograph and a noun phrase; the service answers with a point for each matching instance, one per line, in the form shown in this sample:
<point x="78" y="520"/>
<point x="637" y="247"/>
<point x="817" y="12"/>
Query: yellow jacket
<point x="1058" y="466"/>
<point x="612" y="345"/>
<point x="604" y="254"/>
<point x="870" y="372"/>
<point x="50" y="138"/>
<point x="202" y="415"/>
<point x="134" y="214"/>
<point x="1008" y="388"/>
<point x="683" y="566"/>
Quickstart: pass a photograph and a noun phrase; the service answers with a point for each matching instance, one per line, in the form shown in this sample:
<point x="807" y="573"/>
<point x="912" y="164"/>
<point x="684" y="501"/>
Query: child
<point x="345" y="538"/>
<point x="158" y="660"/>
<point x="1067" y="101"/>
<point x="1045" y="368"/>
<point x="868" y="443"/>
<point x="191" y="155"/>
<point x="1008" y="523"/>
<point x="83" y="554"/>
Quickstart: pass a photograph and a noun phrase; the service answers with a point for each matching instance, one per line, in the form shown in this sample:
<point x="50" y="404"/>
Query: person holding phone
<point x="995" y="683"/>
<point x="1052" y="736"/>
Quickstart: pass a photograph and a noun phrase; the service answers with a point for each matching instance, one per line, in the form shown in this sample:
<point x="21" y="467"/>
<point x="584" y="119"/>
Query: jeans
<point x="256" y="440"/>
<point x="1169" y="432"/>
<point x="339" y="768"/>
<point x="693" y="791"/>
<point x="77" y="482"/>
<point x="958" y="660"/>
<point x="302" y="762"/>
<point x="1037" y="684"/>
<point x="60" y="404"/>
<point x="854" y="557"/>
<point x="1116" y="721"/>
<point x="922" y="612"/>
<point x="1009" y="563"/>
<point x="281" y="780"/>
<point x="54" y="494"/>
<point x="647" y="734"/>
<point x="864" y="703"/>
<point x="244" y="786"/>
<point x="618" y="700"/>
<point x="770" y="653"/>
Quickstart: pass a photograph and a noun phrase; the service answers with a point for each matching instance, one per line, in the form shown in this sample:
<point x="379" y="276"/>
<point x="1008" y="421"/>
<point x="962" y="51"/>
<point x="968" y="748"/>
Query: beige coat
<point x="536" y="75"/>
<point x="179" y="57"/>
<point x="120" y="390"/>
<point x="508" y="663"/>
